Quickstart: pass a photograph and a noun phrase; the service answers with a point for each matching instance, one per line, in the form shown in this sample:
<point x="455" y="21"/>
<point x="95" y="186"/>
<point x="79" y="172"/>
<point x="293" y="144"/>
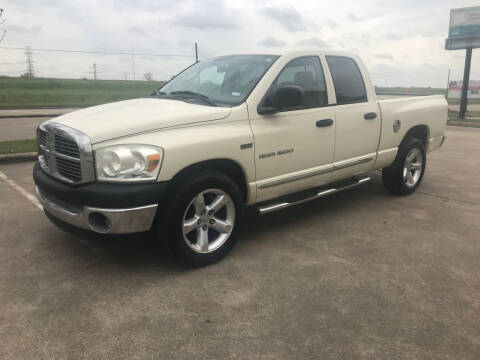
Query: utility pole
<point x="466" y="79"/>
<point x="133" y="63"/>
<point x="448" y="84"/>
<point x="29" y="62"/>
<point x="2" y="34"/>
<point x="196" y="53"/>
<point x="125" y="76"/>
<point x="94" y="71"/>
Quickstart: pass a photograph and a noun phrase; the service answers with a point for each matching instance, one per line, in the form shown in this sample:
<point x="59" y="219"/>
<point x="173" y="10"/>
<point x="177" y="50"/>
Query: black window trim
<point x="296" y="108"/>
<point x="335" y="86"/>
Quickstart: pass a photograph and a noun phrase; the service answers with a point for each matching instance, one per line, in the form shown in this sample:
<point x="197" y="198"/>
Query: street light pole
<point x="466" y="79"/>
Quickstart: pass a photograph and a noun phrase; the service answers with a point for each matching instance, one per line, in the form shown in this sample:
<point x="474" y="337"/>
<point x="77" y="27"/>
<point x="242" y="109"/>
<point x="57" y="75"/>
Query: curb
<point x="17" y="116"/>
<point x="21" y="157"/>
<point x="72" y="106"/>
<point x="464" y="123"/>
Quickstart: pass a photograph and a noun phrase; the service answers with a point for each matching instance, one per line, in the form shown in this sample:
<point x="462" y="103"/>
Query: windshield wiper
<point x="205" y="98"/>
<point x="158" y="93"/>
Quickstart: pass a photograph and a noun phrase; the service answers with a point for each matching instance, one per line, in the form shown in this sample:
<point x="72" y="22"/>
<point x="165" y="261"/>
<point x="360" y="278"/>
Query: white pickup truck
<point x="262" y="130"/>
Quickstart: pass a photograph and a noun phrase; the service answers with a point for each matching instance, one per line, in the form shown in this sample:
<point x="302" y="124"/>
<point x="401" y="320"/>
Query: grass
<point x="467" y="119"/>
<point x="42" y="92"/>
<point x="409" y="90"/>
<point x="419" y="91"/>
<point x="471" y="116"/>
<point x="18" y="146"/>
<point x="457" y="101"/>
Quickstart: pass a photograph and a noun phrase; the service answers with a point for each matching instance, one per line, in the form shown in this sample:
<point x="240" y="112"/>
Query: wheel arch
<point x="420" y="132"/>
<point x="229" y="167"/>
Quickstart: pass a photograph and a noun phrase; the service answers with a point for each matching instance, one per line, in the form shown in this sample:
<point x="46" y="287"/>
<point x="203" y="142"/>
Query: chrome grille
<point x="65" y="153"/>
<point x="42" y="145"/>
<point x="42" y="137"/>
<point x="70" y="169"/>
<point x="66" y="145"/>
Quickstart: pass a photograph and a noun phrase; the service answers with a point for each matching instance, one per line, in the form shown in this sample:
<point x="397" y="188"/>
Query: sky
<point x="401" y="42"/>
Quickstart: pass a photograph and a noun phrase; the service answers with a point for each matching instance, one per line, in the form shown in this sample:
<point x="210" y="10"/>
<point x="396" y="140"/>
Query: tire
<point x="190" y="243"/>
<point x="404" y="176"/>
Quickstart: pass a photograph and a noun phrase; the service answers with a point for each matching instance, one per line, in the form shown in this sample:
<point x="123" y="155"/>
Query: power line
<point x="97" y="52"/>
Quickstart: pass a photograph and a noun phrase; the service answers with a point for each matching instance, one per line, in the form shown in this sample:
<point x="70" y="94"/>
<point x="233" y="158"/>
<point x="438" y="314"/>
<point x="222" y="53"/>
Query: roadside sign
<point x="464" y="30"/>
<point x="464" y="33"/>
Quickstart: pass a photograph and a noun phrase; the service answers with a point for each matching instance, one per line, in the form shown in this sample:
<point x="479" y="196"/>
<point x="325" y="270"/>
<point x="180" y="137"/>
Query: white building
<point x="455" y="89"/>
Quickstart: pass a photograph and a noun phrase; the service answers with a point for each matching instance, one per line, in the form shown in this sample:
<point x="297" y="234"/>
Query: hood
<point x="114" y="120"/>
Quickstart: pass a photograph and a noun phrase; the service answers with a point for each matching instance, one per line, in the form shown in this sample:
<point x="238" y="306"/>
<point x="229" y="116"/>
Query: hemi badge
<point x="246" y="146"/>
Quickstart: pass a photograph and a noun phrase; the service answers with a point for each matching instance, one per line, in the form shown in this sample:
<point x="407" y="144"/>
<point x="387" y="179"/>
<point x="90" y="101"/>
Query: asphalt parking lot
<point x="358" y="275"/>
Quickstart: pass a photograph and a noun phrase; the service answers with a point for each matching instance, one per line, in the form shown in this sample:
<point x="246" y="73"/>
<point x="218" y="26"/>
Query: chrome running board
<point x="268" y="208"/>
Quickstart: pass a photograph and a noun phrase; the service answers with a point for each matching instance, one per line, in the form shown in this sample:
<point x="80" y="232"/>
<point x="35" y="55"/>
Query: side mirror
<point x="286" y="97"/>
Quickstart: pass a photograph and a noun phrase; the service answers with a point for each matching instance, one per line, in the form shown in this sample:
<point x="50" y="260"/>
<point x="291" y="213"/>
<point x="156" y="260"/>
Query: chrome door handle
<point x="370" y="116"/>
<point x="324" y="123"/>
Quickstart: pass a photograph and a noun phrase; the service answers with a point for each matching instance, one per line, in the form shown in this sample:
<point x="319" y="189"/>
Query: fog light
<point x="99" y="222"/>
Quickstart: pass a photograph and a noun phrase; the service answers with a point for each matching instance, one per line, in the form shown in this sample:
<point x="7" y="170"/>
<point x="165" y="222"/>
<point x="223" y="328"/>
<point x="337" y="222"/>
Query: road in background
<point x="5" y="113"/>
<point x="19" y="128"/>
<point x="360" y="274"/>
<point x="19" y="124"/>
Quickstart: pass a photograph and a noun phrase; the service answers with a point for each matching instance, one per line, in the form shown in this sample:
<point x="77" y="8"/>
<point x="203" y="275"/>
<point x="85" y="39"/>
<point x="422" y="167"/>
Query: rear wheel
<point x="205" y="217"/>
<point x="404" y="176"/>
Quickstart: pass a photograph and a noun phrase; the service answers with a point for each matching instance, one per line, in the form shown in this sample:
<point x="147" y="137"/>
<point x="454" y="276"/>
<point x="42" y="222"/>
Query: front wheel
<point x="404" y="176"/>
<point x="205" y="219"/>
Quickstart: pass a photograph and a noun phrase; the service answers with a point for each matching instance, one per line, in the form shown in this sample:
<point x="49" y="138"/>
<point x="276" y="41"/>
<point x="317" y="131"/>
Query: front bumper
<point x="100" y="207"/>
<point x="112" y="221"/>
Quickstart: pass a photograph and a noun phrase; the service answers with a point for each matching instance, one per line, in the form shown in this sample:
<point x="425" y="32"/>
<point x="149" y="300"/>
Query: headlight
<point x="128" y="163"/>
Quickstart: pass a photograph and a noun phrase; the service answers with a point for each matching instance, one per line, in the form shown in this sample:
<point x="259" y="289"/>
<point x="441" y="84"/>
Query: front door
<point x="294" y="148"/>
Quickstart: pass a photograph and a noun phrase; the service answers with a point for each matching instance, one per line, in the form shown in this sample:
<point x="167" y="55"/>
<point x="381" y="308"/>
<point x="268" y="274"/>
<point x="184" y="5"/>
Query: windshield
<point x="224" y="80"/>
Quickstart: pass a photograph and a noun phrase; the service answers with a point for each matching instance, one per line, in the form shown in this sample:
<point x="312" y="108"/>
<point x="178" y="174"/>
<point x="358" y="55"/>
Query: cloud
<point x="383" y="56"/>
<point x="313" y="41"/>
<point x="288" y="17"/>
<point x="211" y="14"/>
<point x="412" y="32"/>
<point x="193" y="21"/>
<point x="332" y="24"/>
<point x="272" y="42"/>
<point x="137" y="31"/>
<point x="33" y="30"/>
<point x="394" y="36"/>
<point x="353" y="17"/>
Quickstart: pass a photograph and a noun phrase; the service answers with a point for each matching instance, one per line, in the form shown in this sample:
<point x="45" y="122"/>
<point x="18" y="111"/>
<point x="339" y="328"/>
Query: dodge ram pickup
<point x="262" y="130"/>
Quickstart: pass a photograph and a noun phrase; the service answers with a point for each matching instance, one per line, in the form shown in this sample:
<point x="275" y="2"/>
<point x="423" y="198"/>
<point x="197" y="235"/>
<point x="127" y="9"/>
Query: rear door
<point x="357" y="118"/>
<point x="294" y="147"/>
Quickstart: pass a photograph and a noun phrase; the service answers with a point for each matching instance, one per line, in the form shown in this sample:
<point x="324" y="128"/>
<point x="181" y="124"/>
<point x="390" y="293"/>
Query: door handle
<point x="370" y="116"/>
<point x="324" y="123"/>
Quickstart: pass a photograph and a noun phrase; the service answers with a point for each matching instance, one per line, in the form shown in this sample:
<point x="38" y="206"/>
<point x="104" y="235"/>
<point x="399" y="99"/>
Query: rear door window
<point x="347" y="79"/>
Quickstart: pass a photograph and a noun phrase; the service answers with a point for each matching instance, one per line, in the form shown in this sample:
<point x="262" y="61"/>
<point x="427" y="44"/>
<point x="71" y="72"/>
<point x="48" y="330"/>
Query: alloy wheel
<point x="208" y="220"/>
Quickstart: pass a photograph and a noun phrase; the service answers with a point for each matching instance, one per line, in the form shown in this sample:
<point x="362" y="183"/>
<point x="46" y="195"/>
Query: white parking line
<point x="22" y="191"/>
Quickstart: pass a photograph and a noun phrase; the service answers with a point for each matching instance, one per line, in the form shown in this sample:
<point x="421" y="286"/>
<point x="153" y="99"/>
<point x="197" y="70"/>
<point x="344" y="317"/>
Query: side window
<point x="307" y="73"/>
<point x="348" y="81"/>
